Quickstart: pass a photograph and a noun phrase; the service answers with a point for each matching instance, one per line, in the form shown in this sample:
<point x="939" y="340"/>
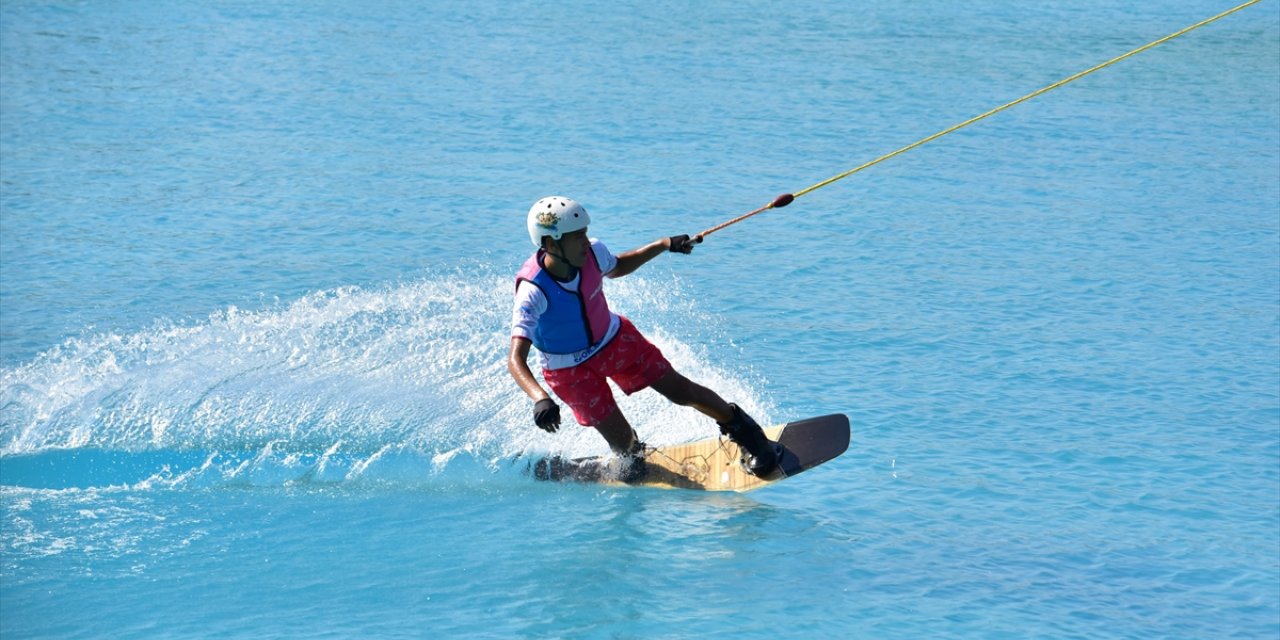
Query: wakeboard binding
<point x="759" y="455"/>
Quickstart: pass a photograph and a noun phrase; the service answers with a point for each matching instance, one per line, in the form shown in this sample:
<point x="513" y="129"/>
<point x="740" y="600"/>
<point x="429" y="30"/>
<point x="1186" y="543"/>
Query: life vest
<point x="574" y="320"/>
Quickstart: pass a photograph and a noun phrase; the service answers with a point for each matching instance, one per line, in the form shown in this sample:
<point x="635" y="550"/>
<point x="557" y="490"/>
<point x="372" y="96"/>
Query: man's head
<point x="558" y="225"/>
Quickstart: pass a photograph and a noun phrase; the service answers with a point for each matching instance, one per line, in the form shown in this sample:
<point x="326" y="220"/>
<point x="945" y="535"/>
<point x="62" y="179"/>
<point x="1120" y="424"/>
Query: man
<point x="560" y="308"/>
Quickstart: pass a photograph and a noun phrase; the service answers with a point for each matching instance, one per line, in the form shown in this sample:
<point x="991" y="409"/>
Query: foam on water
<point x="397" y="382"/>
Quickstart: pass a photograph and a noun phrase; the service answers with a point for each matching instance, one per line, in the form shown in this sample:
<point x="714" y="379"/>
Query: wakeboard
<point x="713" y="464"/>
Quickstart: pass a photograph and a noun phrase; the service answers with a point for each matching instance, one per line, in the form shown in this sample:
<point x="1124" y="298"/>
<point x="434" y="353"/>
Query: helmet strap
<point x="559" y="255"/>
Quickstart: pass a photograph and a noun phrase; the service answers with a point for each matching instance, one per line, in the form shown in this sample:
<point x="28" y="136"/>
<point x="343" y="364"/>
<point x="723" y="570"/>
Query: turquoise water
<point x="255" y="279"/>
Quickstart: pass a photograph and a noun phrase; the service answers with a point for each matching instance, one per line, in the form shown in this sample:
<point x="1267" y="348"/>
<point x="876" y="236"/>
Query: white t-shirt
<point x="530" y="304"/>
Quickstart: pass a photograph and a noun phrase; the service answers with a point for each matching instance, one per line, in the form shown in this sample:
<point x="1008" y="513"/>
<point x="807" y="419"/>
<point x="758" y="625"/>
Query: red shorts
<point x="629" y="360"/>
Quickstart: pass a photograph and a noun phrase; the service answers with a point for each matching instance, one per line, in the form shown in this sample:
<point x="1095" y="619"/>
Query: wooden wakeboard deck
<point x="712" y="464"/>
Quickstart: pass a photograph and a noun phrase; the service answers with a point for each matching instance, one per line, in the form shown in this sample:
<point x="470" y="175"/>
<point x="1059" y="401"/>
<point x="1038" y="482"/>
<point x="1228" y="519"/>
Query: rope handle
<point x="778" y="203"/>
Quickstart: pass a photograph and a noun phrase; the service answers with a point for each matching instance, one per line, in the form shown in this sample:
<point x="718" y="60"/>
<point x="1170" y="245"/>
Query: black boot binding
<point x="759" y="456"/>
<point x="633" y="468"/>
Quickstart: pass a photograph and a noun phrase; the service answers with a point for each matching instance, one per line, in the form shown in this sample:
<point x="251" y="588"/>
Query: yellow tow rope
<point x="786" y="198"/>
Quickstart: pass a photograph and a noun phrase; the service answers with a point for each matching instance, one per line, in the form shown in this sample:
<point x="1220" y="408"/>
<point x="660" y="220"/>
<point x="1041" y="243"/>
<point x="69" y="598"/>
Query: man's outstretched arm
<point x="631" y="260"/>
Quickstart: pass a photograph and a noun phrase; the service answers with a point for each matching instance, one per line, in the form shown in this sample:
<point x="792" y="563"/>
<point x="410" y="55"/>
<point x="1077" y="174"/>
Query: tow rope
<point x="786" y="198"/>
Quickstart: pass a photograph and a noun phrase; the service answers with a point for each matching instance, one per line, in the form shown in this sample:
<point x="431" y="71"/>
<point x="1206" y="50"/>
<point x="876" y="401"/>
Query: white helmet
<point x="555" y="216"/>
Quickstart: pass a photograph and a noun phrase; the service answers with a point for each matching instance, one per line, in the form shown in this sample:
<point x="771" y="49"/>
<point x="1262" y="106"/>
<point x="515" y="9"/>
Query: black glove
<point x="683" y="244"/>
<point x="546" y="414"/>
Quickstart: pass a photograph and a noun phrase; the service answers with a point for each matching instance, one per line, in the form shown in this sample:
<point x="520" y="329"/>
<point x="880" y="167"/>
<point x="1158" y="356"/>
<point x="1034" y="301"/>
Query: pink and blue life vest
<point x="574" y="320"/>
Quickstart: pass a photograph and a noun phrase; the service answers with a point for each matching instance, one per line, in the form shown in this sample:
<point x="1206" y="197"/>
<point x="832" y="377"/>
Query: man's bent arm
<point x="518" y="365"/>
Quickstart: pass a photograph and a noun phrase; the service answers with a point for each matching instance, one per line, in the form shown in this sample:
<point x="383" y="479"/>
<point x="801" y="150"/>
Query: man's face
<point x="575" y="247"/>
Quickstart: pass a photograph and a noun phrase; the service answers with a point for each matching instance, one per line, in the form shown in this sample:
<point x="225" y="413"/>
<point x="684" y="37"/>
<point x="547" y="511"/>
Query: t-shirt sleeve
<point x="530" y="304"/>
<point x="604" y="257"/>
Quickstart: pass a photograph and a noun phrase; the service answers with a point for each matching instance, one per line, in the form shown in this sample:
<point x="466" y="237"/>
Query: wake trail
<point x="328" y="387"/>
